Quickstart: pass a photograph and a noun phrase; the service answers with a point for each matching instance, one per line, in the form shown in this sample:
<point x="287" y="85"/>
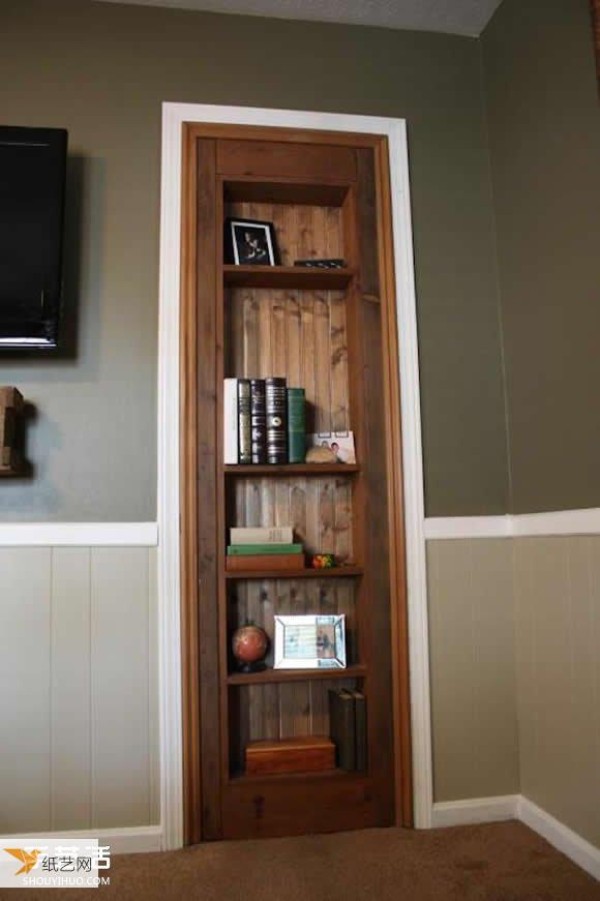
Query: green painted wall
<point x="544" y="127"/>
<point x="102" y="71"/>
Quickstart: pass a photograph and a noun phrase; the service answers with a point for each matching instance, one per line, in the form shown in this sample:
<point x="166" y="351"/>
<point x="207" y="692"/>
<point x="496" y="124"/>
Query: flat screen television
<point x="32" y="193"/>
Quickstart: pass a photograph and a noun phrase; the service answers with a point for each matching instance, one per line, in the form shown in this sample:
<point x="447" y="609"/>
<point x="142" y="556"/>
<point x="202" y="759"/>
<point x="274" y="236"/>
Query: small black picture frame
<point x="249" y="242"/>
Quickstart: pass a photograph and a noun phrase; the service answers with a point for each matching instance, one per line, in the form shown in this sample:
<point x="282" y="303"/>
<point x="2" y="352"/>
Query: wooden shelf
<point x="287" y="277"/>
<point x="272" y="676"/>
<point x="332" y="572"/>
<point x="290" y="469"/>
<point x="336" y="774"/>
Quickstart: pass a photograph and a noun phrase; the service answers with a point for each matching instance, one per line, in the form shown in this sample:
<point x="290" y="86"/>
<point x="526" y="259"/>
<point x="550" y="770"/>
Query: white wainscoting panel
<point x="78" y="690"/>
<point x="70" y="646"/>
<point x="473" y="701"/>
<point x="557" y="588"/>
<point x="25" y="701"/>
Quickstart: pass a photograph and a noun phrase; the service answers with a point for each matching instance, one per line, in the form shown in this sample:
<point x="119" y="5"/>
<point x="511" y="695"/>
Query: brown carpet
<point x="495" y="862"/>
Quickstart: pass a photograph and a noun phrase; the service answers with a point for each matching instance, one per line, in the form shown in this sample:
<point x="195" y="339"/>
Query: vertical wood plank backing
<point x="208" y="491"/>
<point x="25" y="667"/>
<point x="120" y="696"/>
<point x="70" y="752"/>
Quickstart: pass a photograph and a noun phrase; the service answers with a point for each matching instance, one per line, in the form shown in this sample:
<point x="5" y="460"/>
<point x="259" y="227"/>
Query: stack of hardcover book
<point x="348" y="727"/>
<point x="263" y="421"/>
<point x="263" y="548"/>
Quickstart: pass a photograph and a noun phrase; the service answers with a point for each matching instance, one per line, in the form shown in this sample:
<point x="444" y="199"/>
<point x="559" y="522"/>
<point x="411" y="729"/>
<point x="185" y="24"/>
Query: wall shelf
<point x="331" y="572"/>
<point x="292" y="277"/>
<point x="273" y="676"/>
<point x="291" y="469"/>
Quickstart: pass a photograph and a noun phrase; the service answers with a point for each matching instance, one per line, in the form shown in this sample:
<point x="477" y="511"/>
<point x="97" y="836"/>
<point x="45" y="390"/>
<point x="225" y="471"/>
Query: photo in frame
<point x="310" y="642"/>
<point x="249" y="242"/>
<point x="340" y="443"/>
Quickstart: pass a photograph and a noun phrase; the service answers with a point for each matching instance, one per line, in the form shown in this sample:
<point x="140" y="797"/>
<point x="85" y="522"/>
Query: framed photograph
<point x="250" y="243"/>
<point x="310" y="642"/>
<point x="341" y="443"/>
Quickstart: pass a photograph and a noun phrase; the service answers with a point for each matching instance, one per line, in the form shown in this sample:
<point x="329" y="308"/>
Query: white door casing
<point x="170" y="683"/>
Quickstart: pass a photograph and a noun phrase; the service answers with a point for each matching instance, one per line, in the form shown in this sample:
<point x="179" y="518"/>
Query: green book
<point x="248" y="550"/>
<point x="296" y="425"/>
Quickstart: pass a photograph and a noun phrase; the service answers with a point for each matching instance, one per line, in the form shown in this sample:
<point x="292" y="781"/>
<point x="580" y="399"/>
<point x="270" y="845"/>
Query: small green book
<point x="247" y="550"/>
<point x="296" y="425"/>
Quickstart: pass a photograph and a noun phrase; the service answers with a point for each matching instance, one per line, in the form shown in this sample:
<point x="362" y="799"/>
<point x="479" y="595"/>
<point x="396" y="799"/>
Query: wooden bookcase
<point x="331" y="332"/>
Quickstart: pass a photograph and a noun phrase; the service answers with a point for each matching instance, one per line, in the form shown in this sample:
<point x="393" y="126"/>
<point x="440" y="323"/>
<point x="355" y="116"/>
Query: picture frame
<point x="310" y="642"/>
<point x="250" y="242"/>
<point x="340" y="443"/>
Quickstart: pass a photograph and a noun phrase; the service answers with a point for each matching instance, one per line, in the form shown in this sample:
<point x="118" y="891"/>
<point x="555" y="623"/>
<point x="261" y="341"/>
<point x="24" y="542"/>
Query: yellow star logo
<point x="27" y="858"/>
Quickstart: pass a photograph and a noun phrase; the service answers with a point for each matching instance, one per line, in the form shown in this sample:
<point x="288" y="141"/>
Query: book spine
<point x="360" y="727"/>
<point x="276" y="408"/>
<point x="230" y="421"/>
<point x="342" y="727"/>
<point x="261" y="535"/>
<point x="265" y="561"/>
<point x="258" y="420"/>
<point x="244" y="425"/>
<point x="243" y="550"/>
<point x="296" y="425"/>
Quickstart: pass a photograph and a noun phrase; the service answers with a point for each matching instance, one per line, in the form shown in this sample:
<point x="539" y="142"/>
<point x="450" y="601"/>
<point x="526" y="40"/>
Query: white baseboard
<point x="474" y="810"/>
<point x="124" y="840"/>
<point x="571" y="844"/>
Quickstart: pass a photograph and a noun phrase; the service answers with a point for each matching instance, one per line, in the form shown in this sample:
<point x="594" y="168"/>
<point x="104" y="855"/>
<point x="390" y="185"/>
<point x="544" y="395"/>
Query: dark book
<point x="244" y="424"/>
<point x="296" y="425"/>
<point x="360" y="730"/>
<point x="342" y="727"/>
<point x="258" y="420"/>
<point x="276" y="408"/>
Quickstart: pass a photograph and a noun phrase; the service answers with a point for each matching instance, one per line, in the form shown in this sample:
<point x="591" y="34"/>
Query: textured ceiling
<point x="466" y="17"/>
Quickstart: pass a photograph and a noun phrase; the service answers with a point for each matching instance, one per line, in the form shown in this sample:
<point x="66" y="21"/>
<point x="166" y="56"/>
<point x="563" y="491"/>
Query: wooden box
<point x="305" y="754"/>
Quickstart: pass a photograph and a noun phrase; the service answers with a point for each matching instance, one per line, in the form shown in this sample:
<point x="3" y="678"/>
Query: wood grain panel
<point x="71" y="751"/>
<point x="25" y="668"/>
<point x="120" y="694"/>
<point x="275" y="159"/>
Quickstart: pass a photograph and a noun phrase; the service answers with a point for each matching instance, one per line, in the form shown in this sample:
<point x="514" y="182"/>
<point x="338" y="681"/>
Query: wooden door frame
<point x="388" y="136"/>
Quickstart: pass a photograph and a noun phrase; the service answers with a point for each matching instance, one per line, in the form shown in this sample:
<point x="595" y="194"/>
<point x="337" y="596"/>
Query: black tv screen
<point x="32" y="190"/>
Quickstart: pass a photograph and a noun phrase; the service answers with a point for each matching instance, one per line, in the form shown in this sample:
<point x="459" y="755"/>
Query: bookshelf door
<point x="331" y="333"/>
